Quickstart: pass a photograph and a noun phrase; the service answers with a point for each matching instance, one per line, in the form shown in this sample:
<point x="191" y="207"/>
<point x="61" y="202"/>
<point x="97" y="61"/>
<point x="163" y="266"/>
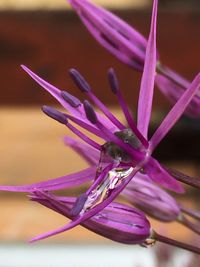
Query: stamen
<point x="83" y="137"/>
<point x="55" y="114"/>
<point x="78" y="205"/>
<point x="112" y="78"/>
<point x="85" y="126"/>
<point x="62" y="118"/>
<point x="137" y="155"/>
<point x="90" y="113"/>
<point x="85" y="88"/>
<point x="80" y="82"/>
<point x="72" y="100"/>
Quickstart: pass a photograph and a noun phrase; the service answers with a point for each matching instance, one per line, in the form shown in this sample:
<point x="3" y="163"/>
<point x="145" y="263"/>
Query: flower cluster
<point x="122" y="164"/>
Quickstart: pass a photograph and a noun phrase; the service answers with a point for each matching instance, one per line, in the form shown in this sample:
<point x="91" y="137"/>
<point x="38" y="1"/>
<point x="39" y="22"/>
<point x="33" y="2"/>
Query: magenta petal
<point x="66" y="181"/>
<point x="175" y="113"/>
<point x="148" y="77"/>
<point x="160" y="176"/>
<point x="55" y="92"/>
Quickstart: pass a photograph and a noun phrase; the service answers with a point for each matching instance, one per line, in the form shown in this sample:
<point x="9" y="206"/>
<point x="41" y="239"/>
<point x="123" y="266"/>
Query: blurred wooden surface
<point x="32" y="150"/>
<point x="52" y="42"/>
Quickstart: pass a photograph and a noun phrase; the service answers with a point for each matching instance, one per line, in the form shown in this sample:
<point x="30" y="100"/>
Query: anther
<point x="90" y="113"/>
<point x="80" y="82"/>
<point x="78" y="205"/>
<point x="112" y="78"/>
<point x="55" y="114"/>
<point x="70" y="99"/>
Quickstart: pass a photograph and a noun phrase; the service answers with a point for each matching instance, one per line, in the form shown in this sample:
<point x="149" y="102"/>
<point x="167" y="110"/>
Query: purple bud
<point x="112" y="78"/>
<point x="90" y="113"/>
<point x="72" y="100"/>
<point x="151" y="199"/>
<point x="55" y="114"/>
<point x="117" y="222"/>
<point x="79" y="81"/>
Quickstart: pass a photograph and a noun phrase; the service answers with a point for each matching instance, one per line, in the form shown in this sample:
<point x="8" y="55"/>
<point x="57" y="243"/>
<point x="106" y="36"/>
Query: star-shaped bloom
<point x="129" y="46"/>
<point x="125" y="150"/>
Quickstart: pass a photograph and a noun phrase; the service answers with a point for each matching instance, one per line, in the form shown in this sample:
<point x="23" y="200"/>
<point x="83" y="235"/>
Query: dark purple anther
<point x="112" y="78"/>
<point x="90" y="113"/>
<point x="72" y="100"/>
<point x="79" y="81"/>
<point x="78" y="205"/>
<point x="55" y="114"/>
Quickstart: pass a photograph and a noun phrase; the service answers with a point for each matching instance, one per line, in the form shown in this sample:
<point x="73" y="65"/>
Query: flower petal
<point x="66" y="181"/>
<point x="148" y="77"/>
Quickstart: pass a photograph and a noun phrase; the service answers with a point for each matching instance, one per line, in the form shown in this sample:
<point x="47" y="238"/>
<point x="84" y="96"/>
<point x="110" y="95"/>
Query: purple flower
<point x="129" y="46"/>
<point x="124" y="151"/>
<point x="117" y="222"/>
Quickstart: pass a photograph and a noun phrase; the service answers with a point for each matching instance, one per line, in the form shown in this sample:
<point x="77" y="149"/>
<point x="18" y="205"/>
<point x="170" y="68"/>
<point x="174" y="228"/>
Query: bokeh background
<point x="48" y="37"/>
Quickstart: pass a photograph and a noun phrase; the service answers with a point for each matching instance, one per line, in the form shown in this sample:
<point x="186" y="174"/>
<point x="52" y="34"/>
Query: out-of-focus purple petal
<point x="173" y="76"/>
<point x="148" y="77"/>
<point x="175" y="113"/>
<point x="160" y="176"/>
<point x="66" y="181"/>
<point x="113" y="33"/>
<point x="153" y="200"/>
<point x="90" y="154"/>
<point x="173" y="92"/>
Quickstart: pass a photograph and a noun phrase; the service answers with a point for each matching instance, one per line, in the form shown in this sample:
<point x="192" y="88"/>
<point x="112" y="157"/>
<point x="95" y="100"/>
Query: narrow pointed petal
<point x="160" y="176"/>
<point x="148" y="77"/>
<point x="66" y="181"/>
<point x="112" y="33"/>
<point x="55" y="92"/>
<point x="82" y="149"/>
<point x="175" y="113"/>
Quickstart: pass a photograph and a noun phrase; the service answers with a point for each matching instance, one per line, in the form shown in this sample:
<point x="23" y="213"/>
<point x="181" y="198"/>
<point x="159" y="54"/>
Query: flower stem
<point x="175" y="243"/>
<point x="190" y="225"/>
<point x="186" y="179"/>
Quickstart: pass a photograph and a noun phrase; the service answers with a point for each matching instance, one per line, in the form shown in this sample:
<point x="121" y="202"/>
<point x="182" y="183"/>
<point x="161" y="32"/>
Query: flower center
<point x="117" y="153"/>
